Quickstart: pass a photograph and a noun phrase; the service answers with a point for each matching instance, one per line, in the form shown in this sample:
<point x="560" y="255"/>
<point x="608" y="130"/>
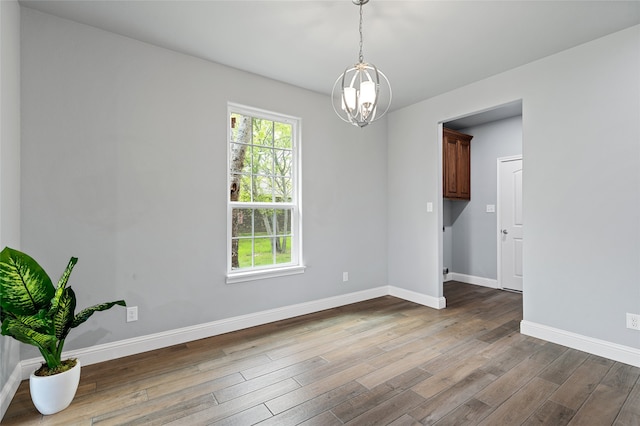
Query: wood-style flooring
<point x="381" y="362"/>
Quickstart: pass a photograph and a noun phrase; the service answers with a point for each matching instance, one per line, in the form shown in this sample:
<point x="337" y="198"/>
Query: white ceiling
<point x="424" y="47"/>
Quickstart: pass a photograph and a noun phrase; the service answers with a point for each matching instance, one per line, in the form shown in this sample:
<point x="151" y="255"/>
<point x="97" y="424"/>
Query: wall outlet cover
<point x="132" y="313"/>
<point x="633" y="321"/>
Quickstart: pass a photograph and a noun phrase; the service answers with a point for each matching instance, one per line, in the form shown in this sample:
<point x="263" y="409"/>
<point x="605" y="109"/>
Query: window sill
<point x="238" y="277"/>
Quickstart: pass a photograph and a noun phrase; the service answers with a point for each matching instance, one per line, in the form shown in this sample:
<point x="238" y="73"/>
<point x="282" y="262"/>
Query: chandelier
<point x="357" y="96"/>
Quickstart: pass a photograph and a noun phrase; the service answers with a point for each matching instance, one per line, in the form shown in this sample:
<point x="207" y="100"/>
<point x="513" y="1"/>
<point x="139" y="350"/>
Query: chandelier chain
<point x="361" y="57"/>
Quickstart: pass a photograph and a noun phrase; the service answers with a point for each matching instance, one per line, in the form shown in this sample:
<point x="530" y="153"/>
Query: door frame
<point x="501" y="160"/>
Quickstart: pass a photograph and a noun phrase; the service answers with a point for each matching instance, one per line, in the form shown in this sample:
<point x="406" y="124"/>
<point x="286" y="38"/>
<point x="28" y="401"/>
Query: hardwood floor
<point x="381" y="362"/>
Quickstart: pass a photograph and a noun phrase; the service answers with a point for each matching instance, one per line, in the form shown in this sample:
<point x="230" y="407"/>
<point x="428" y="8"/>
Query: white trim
<point x="109" y="351"/>
<point x="9" y="390"/>
<point x="498" y="218"/>
<point x="422" y="299"/>
<point x="613" y="351"/>
<point x="253" y="275"/>
<point x="470" y="279"/>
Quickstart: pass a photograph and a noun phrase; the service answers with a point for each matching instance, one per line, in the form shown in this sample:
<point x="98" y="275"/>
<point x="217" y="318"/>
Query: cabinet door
<point x="450" y="153"/>
<point x="456" y="165"/>
<point x="463" y="169"/>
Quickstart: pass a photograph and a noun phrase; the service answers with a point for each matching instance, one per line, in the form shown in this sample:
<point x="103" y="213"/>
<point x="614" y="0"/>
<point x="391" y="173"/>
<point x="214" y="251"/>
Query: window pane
<point x="259" y="234"/>
<point x="262" y="132"/>
<point x="245" y="188"/>
<point x="245" y="253"/>
<point x="283" y="250"/>
<point x="240" y="187"/>
<point x="240" y="128"/>
<point x="263" y="252"/>
<point x="282" y="162"/>
<point x="264" y="225"/>
<point x="263" y="189"/>
<point x="241" y="237"/>
<point x="242" y="221"/>
<point x="283" y="188"/>
<point x="238" y="157"/>
<point x="283" y="222"/>
<point x="262" y="161"/>
<point x="282" y="135"/>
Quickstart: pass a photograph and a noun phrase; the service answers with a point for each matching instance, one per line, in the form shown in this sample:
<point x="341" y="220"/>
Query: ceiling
<point x="424" y="47"/>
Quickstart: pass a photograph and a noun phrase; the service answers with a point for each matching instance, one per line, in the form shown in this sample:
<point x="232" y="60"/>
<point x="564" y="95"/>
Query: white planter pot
<point x="51" y="394"/>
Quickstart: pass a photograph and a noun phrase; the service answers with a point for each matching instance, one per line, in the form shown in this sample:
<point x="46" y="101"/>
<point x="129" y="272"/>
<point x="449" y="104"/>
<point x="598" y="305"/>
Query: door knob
<point x="504" y="231"/>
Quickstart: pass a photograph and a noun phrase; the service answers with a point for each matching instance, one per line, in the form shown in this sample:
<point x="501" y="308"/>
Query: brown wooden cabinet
<point x="456" y="165"/>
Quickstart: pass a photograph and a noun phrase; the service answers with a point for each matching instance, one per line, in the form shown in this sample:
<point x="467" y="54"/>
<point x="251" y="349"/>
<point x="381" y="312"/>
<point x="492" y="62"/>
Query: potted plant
<point x="35" y="312"/>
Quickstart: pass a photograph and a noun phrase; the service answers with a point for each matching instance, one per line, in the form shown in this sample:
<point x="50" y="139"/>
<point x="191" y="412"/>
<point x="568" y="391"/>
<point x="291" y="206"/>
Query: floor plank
<point x="522" y="404"/>
<point x="577" y="388"/>
<point x="630" y="413"/>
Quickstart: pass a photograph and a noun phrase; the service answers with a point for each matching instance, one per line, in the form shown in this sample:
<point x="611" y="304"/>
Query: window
<point x="263" y="210"/>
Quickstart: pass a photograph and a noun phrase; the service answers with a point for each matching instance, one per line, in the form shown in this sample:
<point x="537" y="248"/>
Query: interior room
<point x="117" y="121"/>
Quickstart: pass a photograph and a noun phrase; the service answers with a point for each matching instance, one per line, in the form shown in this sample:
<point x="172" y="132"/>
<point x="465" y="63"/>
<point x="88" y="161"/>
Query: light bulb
<point x="349" y="96"/>
<point x="367" y="93"/>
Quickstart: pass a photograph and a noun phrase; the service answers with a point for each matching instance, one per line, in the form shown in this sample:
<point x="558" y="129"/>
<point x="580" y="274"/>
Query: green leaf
<point x="37" y="322"/>
<point x="62" y="282"/>
<point x="25" y="287"/>
<point x="63" y="315"/>
<point x="86" y="313"/>
<point x="17" y="329"/>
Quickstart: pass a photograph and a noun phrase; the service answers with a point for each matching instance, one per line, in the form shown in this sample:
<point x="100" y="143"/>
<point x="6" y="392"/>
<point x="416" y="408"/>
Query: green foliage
<point x="32" y="311"/>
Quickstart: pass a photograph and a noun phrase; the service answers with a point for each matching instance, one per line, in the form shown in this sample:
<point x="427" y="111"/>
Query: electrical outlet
<point x="345" y="276"/>
<point x="633" y="321"/>
<point x="132" y="313"/>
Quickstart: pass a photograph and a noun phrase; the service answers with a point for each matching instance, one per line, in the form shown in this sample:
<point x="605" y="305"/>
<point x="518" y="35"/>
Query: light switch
<point x="491" y="208"/>
<point x="429" y="207"/>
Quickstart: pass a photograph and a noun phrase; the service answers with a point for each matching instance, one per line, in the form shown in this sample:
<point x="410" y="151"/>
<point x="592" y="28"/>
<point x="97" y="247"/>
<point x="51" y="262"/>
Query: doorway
<point x="470" y="228"/>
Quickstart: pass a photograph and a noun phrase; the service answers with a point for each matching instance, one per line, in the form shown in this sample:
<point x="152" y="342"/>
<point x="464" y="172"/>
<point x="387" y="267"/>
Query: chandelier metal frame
<point x="358" y="99"/>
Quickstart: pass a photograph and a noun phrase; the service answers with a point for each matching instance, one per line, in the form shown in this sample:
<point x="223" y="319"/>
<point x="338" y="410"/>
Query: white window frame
<point x="296" y="265"/>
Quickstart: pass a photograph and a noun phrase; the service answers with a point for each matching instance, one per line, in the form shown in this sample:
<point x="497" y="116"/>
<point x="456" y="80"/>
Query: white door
<point x="510" y="223"/>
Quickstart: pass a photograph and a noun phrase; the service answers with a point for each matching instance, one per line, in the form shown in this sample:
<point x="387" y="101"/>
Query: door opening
<point x="469" y="242"/>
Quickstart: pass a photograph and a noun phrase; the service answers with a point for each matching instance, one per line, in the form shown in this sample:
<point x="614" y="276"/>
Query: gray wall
<point x="582" y="184"/>
<point x="124" y="166"/>
<point x="9" y="162"/>
<point x="470" y="232"/>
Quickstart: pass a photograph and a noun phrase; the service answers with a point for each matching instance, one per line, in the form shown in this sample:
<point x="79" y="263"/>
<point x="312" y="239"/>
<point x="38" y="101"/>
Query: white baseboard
<point x="109" y="351"/>
<point x="624" y="354"/>
<point x="422" y="299"/>
<point x="9" y="390"/>
<point x="470" y="279"/>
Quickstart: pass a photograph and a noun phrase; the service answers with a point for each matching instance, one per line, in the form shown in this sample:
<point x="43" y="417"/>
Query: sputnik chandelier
<point x="358" y="96"/>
